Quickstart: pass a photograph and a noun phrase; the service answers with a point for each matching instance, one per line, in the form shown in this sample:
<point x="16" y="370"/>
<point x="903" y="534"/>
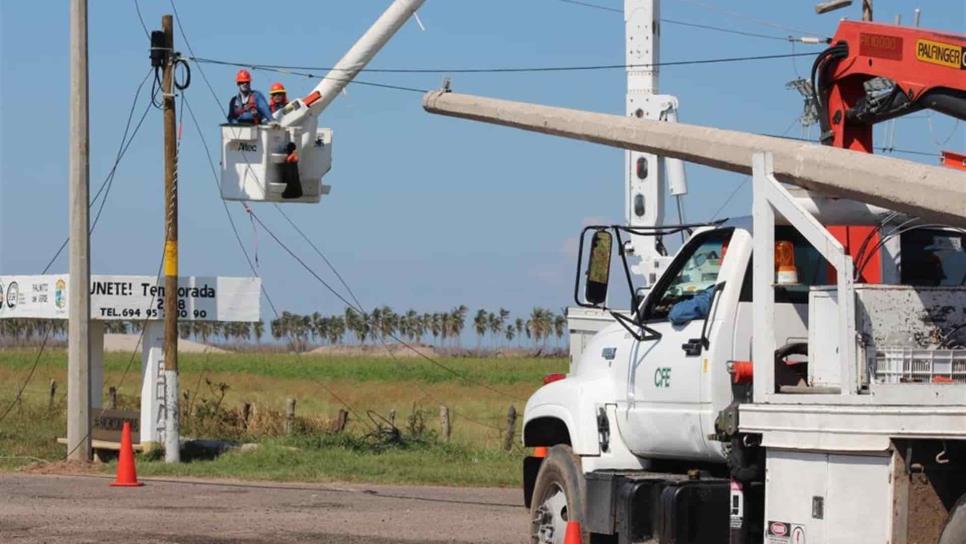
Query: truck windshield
<point x="697" y="273"/>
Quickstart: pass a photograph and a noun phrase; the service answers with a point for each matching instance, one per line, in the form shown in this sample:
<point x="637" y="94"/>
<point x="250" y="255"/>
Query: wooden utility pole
<point x="172" y="431"/>
<point x="79" y="297"/>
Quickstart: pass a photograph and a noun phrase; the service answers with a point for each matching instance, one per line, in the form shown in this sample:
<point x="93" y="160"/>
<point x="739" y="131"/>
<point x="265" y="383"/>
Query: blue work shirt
<point x="245" y="112"/>
<point x="696" y="307"/>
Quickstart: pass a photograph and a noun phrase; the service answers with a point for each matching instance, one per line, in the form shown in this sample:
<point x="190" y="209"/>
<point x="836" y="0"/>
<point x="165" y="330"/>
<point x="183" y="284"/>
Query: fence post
<point x="246" y="413"/>
<point x="511" y="427"/>
<point x="445" y="428"/>
<point x="112" y="397"/>
<point x="289" y="415"/>
<point x="341" y="421"/>
<point x="53" y="393"/>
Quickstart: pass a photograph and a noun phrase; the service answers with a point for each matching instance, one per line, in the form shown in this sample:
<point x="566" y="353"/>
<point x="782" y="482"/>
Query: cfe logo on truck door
<point x="662" y="377"/>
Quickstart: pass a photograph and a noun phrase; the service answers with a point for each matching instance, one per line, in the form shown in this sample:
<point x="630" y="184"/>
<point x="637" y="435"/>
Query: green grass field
<point x="478" y="399"/>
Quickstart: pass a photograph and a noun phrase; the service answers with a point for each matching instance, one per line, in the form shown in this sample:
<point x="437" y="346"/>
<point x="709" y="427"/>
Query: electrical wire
<point x="30" y="375"/>
<point x="137" y="8"/>
<point x="105" y="187"/>
<point x="877" y="148"/>
<point x="727" y="200"/>
<point x="231" y="220"/>
<point x="272" y="234"/>
<point x="381" y="338"/>
<point x="214" y="95"/>
<point x="746" y="18"/>
<point x="300" y="70"/>
<point x="349" y="304"/>
<point x="682" y="23"/>
<point x="108" y="180"/>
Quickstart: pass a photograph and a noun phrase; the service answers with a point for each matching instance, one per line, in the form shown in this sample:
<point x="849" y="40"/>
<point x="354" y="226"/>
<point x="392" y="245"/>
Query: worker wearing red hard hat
<point x="248" y="106"/>
<point x="277" y="97"/>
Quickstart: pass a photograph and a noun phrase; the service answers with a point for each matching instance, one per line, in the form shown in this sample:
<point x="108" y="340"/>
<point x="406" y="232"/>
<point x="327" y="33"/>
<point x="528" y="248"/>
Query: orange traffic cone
<point x="127" y="475"/>
<point x="572" y="536"/>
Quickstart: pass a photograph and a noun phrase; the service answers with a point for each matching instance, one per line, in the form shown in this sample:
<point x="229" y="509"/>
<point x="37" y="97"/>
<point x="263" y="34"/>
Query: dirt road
<point x="84" y="509"/>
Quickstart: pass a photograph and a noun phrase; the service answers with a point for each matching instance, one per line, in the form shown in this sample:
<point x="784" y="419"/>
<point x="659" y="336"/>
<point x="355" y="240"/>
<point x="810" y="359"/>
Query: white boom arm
<point x="300" y="110"/>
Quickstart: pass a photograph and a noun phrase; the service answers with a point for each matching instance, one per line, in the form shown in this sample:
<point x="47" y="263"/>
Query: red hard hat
<point x="243" y="76"/>
<point x="277" y="88"/>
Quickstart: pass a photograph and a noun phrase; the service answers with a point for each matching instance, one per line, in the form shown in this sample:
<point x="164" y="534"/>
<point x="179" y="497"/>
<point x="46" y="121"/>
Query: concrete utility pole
<point x="931" y="193"/>
<point x="172" y="430"/>
<point x="79" y="296"/>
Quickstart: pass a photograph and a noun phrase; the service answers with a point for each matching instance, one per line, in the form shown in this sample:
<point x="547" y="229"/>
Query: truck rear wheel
<point x="558" y="497"/>
<point x="955" y="532"/>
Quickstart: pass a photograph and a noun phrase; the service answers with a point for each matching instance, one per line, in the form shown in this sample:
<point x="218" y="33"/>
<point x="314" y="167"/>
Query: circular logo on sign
<point x="60" y="293"/>
<point x="13" y="291"/>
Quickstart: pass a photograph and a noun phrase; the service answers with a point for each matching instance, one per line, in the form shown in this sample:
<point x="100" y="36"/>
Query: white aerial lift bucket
<point x="257" y="165"/>
<point x="284" y="161"/>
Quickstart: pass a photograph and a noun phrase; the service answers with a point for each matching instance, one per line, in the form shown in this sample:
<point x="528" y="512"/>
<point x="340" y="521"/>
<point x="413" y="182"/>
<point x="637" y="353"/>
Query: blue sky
<point x="425" y="212"/>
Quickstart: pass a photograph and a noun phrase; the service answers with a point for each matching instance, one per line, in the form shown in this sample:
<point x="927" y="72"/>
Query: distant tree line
<point x="381" y="324"/>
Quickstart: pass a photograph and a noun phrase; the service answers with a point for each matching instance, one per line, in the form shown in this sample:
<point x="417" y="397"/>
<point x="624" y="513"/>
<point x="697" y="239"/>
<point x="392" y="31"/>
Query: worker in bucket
<point x="248" y="106"/>
<point x="277" y="97"/>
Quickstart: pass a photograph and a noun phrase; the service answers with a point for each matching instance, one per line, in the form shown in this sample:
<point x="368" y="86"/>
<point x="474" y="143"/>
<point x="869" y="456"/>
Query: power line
<point x="319" y="253"/>
<point x="744" y="17"/>
<point x="877" y="148"/>
<point x="106" y="184"/>
<point x="381" y="338"/>
<point x="592" y="5"/>
<point x="684" y="23"/>
<point x="109" y="179"/>
<point x="300" y="70"/>
<point x="225" y="205"/>
<point x="137" y="8"/>
<point x="291" y="253"/>
<point x="30" y="375"/>
<point x="231" y="220"/>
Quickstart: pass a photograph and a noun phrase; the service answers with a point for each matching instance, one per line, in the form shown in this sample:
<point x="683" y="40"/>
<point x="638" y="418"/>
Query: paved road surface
<point x="84" y="509"/>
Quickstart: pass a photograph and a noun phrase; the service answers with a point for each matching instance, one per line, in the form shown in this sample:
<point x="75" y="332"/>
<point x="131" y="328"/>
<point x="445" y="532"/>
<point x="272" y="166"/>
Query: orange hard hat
<point x="243" y="76"/>
<point x="277" y="88"/>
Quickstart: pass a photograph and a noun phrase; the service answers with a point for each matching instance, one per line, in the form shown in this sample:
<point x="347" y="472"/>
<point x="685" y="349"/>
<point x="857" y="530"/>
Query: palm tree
<point x="480" y="324"/>
<point x="457" y="322"/>
<point x="495" y="324"/>
<point x="410" y="325"/>
<point x="336" y="329"/>
<point x="436" y="326"/>
<point x="258" y="329"/>
<point x="503" y="317"/>
<point x="520" y="327"/>
<point x="559" y="326"/>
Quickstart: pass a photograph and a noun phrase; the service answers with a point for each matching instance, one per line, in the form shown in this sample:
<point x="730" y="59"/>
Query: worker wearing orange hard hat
<point x="248" y="106"/>
<point x="277" y="97"/>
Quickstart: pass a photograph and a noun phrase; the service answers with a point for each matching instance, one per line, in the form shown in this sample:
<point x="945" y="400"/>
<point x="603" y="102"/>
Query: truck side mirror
<point x="598" y="267"/>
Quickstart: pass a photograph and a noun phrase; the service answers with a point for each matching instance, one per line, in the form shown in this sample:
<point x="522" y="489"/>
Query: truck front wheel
<point x="955" y="532"/>
<point x="558" y="497"/>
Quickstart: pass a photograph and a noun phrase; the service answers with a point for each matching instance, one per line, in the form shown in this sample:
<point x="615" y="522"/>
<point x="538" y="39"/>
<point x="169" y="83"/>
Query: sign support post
<point x="78" y="341"/>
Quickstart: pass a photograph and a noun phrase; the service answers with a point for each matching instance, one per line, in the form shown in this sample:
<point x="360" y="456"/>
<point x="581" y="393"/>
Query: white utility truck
<point x="760" y="390"/>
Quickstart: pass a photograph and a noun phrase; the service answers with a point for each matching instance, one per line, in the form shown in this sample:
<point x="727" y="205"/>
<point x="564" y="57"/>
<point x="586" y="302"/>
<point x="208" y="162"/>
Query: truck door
<point x="663" y="408"/>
